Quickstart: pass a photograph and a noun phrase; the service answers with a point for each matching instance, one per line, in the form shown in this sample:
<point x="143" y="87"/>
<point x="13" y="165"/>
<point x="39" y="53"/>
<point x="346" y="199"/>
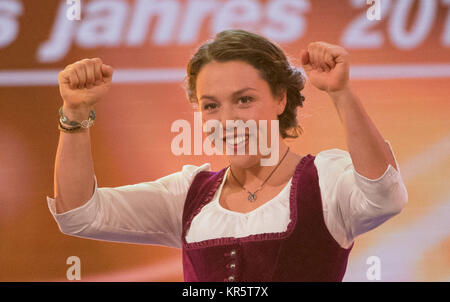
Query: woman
<point x="294" y="221"/>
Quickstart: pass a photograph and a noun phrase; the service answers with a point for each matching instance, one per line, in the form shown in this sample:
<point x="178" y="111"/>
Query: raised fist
<point x="84" y="83"/>
<point x="326" y="65"/>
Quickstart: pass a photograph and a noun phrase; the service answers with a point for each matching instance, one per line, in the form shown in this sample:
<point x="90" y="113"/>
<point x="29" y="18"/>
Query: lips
<point x="235" y="140"/>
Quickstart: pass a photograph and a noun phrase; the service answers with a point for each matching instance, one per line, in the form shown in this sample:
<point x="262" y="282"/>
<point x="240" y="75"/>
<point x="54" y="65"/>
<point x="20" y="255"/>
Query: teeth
<point x="236" y="140"/>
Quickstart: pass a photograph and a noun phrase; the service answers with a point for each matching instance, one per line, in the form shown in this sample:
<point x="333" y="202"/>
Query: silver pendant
<point x="251" y="197"/>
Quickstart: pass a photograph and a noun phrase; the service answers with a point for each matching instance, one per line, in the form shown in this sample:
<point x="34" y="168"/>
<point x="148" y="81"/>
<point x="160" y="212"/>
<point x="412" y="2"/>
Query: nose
<point x="227" y="114"/>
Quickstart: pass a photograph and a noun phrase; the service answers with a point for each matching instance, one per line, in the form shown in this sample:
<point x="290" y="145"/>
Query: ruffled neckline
<point x="216" y="199"/>
<point x="206" y="198"/>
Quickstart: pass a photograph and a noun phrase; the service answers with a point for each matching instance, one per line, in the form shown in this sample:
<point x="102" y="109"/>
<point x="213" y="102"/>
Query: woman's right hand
<point x="84" y="83"/>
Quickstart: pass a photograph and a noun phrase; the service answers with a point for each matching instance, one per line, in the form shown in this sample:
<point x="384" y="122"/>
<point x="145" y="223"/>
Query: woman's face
<point x="234" y="90"/>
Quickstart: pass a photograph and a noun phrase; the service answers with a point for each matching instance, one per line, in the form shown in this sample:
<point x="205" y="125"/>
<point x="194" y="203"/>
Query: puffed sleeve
<point x="146" y="213"/>
<point x="352" y="203"/>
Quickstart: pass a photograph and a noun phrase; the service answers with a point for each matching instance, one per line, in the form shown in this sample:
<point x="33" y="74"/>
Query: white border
<point x="49" y="77"/>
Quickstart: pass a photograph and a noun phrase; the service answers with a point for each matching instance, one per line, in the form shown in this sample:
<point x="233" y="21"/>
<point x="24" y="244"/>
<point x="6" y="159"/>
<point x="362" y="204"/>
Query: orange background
<point x="131" y="140"/>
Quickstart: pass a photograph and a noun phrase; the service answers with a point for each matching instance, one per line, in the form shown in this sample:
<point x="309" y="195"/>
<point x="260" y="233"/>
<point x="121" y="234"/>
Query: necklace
<point x="252" y="196"/>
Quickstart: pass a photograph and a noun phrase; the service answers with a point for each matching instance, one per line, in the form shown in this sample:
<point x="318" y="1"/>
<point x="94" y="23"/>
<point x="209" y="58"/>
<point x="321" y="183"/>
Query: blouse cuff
<point x="384" y="182"/>
<point x="75" y="220"/>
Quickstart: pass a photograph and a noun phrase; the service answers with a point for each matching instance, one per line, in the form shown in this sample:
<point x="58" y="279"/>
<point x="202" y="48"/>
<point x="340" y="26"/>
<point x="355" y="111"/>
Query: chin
<point x="244" y="161"/>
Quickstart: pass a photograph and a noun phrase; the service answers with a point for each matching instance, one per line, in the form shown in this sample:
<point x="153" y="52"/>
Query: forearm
<point x="369" y="152"/>
<point x="74" y="169"/>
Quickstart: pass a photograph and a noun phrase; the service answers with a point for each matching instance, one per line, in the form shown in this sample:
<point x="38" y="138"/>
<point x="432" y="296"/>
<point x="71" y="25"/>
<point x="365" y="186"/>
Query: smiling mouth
<point x="235" y="141"/>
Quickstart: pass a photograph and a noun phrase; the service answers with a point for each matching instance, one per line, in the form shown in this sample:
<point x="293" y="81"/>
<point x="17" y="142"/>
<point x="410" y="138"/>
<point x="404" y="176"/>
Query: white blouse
<point x="151" y="212"/>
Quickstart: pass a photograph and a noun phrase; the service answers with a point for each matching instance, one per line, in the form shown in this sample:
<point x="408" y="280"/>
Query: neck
<point x="256" y="174"/>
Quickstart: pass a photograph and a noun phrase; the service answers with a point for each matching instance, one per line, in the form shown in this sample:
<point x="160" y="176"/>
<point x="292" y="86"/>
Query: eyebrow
<point x="234" y="94"/>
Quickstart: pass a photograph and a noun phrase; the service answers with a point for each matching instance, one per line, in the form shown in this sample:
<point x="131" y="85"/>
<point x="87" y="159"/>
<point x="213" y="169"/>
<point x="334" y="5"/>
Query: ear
<point x="281" y="102"/>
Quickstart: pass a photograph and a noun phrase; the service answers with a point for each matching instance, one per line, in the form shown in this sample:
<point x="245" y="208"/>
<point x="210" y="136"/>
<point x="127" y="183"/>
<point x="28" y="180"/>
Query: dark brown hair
<point x="263" y="55"/>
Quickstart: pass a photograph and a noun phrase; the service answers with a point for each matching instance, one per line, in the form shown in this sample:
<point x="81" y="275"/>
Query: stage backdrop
<point x="400" y="69"/>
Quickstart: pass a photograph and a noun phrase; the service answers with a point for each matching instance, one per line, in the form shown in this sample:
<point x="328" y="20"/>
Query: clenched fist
<point x="84" y="83"/>
<point x="327" y="66"/>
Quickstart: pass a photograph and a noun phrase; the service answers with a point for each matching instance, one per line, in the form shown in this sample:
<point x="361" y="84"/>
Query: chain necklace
<point x="252" y="196"/>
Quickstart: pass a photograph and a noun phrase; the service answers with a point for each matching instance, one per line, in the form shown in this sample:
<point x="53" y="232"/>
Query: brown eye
<point x="210" y="106"/>
<point x="245" y="99"/>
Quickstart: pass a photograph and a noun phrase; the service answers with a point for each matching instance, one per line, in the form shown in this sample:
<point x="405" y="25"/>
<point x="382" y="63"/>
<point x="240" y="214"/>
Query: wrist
<point x="337" y="94"/>
<point x="78" y="114"/>
<point x="341" y="95"/>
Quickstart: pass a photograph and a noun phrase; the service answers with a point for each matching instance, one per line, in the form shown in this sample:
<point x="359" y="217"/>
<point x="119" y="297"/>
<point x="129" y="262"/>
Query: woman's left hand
<point x="327" y="66"/>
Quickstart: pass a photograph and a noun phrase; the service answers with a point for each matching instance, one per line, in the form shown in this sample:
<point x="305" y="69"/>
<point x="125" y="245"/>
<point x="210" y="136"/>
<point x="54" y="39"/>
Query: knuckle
<point x="97" y="60"/>
<point x="69" y="73"/>
<point x="81" y="69"/>
<point x="78" y="65"/>
<point x="316" y="45"/>
<point x="61" y="75"/>
<point x="88" y="63"/>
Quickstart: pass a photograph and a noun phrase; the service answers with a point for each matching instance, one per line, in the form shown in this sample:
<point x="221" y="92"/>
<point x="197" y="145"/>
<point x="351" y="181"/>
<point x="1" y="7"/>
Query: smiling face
<point x="234" y="90"/>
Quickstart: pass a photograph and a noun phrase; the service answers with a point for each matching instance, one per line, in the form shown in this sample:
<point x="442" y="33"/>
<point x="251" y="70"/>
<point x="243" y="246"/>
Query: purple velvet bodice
<point x="306" y="251"/>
